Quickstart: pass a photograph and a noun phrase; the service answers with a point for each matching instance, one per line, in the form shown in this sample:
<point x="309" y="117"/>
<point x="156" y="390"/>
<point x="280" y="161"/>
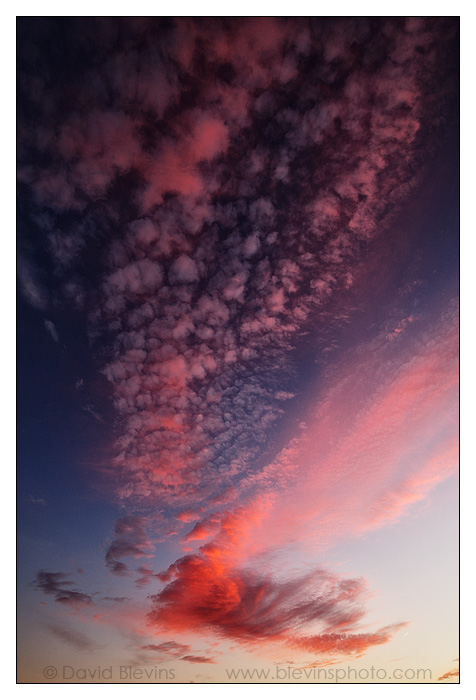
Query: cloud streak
<point x="56" y="584"/>
<point x="454" y="673"/>
<point x="74" y="638"/>
<point x="173" y="650"/>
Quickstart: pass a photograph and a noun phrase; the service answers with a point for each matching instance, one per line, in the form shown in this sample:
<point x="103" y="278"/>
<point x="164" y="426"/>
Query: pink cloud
<point x="204" y="529"/>
<point x="140" y="277"/>
<point x="377" y="443"/>
<point x="210" y="136"/>
<point x="211" y="591"/>
<point x="183" y="269"/>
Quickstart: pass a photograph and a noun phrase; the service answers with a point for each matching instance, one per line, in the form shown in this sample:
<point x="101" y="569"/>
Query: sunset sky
<point x="237" y="349"/>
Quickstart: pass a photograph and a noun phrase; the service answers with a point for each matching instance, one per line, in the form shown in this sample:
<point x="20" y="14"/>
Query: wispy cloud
<point x="74" y="638"/>
<point x="31" y="287"/>
<point x="56" y="584"/>
<point x="449" y="675"/>
<point x="173" y="650"/>
<point x="37" y="500"/>
<point x="130" y="540"/>
<point x="51" y="328"/>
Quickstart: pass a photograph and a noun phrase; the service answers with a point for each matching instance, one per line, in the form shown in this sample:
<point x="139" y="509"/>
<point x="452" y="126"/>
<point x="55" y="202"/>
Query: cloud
<point x="74" y="638"/>
<point x="146" y="576"/>
<point x="174" y="650"/>
<point x="454" y="673"/>
<point x="57" y="585"/>
<point x="203" y="529"/>
<point x="198" y="659"/>
<point x="51" y="328"/>
<point x="168" y="649"/>
<point x="141" y="277"/>
<point x="130" y="540"/>
<point x="210" y="591"/>
<point x="90" y="409"/>
<point x="183" y="269"/>
<point x="37" y="501"/>
<point x="30" y="285"/>
<point x="347" y="644"/>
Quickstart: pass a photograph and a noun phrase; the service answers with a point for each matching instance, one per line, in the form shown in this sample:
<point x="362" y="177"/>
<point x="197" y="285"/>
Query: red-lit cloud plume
<point x="212" y="591"/>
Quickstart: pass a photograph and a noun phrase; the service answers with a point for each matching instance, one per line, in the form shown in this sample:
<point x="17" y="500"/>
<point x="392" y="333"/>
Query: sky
<point x="238" y="349"/>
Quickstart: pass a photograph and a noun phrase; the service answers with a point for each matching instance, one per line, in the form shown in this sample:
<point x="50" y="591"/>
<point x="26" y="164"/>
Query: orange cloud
<point x="449" y="674"/>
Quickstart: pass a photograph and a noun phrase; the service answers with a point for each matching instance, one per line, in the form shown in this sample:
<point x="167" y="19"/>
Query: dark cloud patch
<point x="168" y="649"/>
<point x="74" y="638"/>
<point x="173" y="650"/>
<point x="192" y="659"/>
<point x="146" y="576"/>
<point x="130" y="540"/>
<point x="57" y="585"/>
